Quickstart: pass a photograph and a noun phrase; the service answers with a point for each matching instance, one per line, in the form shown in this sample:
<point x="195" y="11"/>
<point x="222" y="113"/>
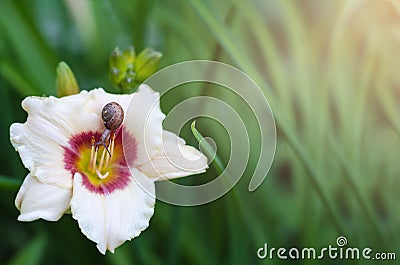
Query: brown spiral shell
<point x="112" y="115"/>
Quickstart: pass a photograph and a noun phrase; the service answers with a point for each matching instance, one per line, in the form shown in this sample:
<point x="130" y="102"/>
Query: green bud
<point x="116" y="76"/>
<point x="127" y="70"/>
<point x="146" y="64"/>
<point x="118" y="66"/>
<point x="65" y="81"/>
<point x="128" y="83"/>
<point x="129" y="56"/>
<point x="116" y="58"/>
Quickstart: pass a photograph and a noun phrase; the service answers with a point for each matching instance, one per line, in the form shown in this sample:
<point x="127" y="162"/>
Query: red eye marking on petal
<point x="101" y="173"/>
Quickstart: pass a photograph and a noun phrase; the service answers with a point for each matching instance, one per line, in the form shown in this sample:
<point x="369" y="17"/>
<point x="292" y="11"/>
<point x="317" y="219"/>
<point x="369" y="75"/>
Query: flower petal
<point x="111" y="219"/>
<point x="174" y="159"/>
<point x="51" y="122"/>
<point x="36" y="200"/>
<point x="66" y="115"/>
<point x="98" y="98"/>
<point x="143" y="120"/>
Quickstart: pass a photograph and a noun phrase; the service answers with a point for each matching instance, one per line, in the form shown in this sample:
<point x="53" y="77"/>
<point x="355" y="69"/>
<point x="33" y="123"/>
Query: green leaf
<point x="122" y="257"/>
<point x="18" y="81"/>
<point x="33" y="59"/>
<point x="32" y="253"/>
<point x="11" y="183"/>
<point x="207" y="149"/>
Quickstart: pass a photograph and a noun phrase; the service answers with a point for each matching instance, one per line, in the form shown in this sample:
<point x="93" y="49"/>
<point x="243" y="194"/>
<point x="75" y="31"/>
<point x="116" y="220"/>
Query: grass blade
<point x="8" y="182"/>
<point x="32" y="253"/>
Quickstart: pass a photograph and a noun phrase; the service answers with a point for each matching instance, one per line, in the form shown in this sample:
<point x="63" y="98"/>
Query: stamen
<point x="102" y="159"/>
<point x="112" y="144"/>
<point x="108" y="159"/>
<point x="92" y="151"/>
<point x="95" y="160"/>
<point x="105" y="158"/>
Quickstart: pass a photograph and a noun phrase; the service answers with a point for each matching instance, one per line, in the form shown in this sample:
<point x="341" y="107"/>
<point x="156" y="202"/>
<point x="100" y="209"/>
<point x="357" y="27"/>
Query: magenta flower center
<point x="102" y="171"/>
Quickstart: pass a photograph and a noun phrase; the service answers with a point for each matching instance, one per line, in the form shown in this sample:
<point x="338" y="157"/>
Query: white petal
<point x="66" y="115"/>
<point x="98" y="98"/>
<point x="174" y="160"/>
<point x="111" y="219"/>
<point x="144" y="121"/>
<point x="40" y="140"/>
<point x="36" y="200"/>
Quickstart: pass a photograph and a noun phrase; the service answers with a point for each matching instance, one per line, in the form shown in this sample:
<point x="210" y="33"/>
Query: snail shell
<point x="112" y="115"/>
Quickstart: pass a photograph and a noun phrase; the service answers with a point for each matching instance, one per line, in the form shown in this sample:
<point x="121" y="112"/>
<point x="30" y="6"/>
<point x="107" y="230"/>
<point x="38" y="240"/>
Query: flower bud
<point x="128" y="84"/>
<point x="129" y="56"/>
<point x="65" y="81"/>
<point x="118" y="66"/>
<point x="127" y="70"/>
<point x="146" y="64"/>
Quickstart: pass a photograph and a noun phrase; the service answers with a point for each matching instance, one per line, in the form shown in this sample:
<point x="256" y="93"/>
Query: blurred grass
<point x="328" y="70"/>
<point x="32" y="254"/>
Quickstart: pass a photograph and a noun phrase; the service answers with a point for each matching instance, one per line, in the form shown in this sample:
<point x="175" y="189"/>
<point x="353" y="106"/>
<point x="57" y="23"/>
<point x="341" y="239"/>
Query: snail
<point x="112" y="116"/>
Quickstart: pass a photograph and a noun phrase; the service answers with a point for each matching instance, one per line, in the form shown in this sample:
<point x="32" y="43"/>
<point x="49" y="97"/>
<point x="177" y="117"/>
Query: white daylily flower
<point x="111" y="197"/>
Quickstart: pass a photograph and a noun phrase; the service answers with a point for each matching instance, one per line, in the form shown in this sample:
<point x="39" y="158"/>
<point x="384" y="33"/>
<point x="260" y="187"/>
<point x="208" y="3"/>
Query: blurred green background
<point x="330" y="72"/>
